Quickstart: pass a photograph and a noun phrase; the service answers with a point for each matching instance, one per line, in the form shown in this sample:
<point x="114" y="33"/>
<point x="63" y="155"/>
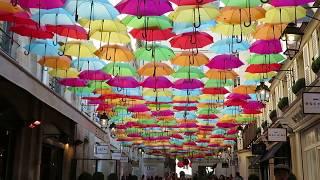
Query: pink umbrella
<point x="213" y="91"/>
<point x="254" y="105"/>
<point x="123" y="82"/>
<point x="40" y="4"/>
<point x="232" y="131"/>
<point x="184" y="108"/>
<point x="224" y="61"/>
<point x="144" y="7"/>
<point x="163" y="113"/>
<point x="139" y="108"/>
<point x="205" y="116"/>
<point x="94" y="75"/>
<point x="226" y="125"/>
<point x="235" y="102"/>
<point x="73" y="82"/>
<point x="156" y="82"/>
<point x="251" y="111"/>
<point x="96" y="101"/>
<point x="188" y="125"/>
<point x="176" y="136"/>
<point x="266" y="47"/>
<point x="188" y="84"/>
<point x="238" y="96"/>
<point x="279" y="3"/>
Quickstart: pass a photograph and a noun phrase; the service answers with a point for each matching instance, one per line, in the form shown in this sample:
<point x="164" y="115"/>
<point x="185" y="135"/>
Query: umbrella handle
<point x="26" y="53"/>
<point x="194" y="18"/>
<point x="119" y="89"/>
<point x="266" y="1"/>
<point x="241" y="39"/>
<point x="146" y="47"/>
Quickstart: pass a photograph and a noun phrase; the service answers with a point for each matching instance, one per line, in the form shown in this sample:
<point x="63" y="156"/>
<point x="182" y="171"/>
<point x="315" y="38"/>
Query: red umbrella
<point x="41" y="4"/>
<point x="185" y="108"/>
<point x="138" y="108"/>
<point x="235" y="102"/>
<point x="17" y="18"/>
<point x="254" y="105"/>
<point x="263" y="68"/>
<point x="163" y="113"/>
<point x="190" y="2"/>
<point x="191" y="40"/>
<point x="32" y="31"/>
<point x="104" y="107"/>
<point x="251" y="111"/>
<point x="176" y="136"/>
<point x="72" y="31"/>
<point x="156" y="82"/>
<point x="220" y="90"/>
<point x="123" y="82"/>
<point x="152" y="34"/>
<point x="210" y="116"/>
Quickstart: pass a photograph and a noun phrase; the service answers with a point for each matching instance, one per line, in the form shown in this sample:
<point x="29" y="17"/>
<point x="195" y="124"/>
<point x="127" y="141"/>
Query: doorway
<point x="51" y="162"/>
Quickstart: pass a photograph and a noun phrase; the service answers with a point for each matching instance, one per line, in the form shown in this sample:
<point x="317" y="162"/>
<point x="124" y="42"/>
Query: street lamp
<point x="263" y="92"/>
<point x="104" y="118"/>
<point x="293" y="37"/>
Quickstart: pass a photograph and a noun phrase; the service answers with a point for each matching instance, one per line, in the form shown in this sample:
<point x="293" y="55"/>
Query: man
<point x="182" y="175"/>
<point x="238" y="177"/>
<point x="281" y="172"/>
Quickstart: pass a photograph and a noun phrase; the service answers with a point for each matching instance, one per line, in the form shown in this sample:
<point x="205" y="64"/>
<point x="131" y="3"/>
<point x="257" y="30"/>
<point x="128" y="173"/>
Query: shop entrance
<point x="51" y="162"/>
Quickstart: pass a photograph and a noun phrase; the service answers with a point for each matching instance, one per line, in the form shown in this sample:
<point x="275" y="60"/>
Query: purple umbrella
<point x="279" y="3"/>
<point x="188" y="84"/>
<point x="73" y="82"/>
<point x="138" y="108"/>
<point x="254" y="105"/>
<point x="266" y="47"/>
<point x="238" y="96"/>
<point x="40" y="4"/>
<point x="144" y="7"/>
<point x="156" y="82"/>
<point x="123" y="82"/>
<point x="163" y="113"/>
<point x="97" y="75"/>
<point x="224" y="61"/>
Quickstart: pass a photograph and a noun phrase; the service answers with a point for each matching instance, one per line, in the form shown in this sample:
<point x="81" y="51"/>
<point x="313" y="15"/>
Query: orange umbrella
<point x="188" y="58"/>
<point x="269" y="31"/>
<point x="6" y="6"/>
<point x="236" y="15"/>
<point x="56" y="62"/>
<point x="155" y="69"/>
<point x="221" y="74"/>
<point x="115" y="53"/>
<point x="243" y="89"/>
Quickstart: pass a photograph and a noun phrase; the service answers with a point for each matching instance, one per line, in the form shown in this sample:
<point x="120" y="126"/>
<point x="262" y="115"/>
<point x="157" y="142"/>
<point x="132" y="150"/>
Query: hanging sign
<point x="116" y="156"/>
<point x="102" y="149"/>
<point x="277" y="134"/>
<point x="124" y="159"/>
<point x="311" y="102"/>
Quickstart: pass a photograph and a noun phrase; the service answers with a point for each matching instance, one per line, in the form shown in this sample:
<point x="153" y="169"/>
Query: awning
<point x="271" y="152"/>
<point x="254" y="162"/>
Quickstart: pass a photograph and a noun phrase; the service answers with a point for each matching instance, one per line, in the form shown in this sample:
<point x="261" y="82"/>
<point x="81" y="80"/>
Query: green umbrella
<point x="120" y="69"/>
<point x="157" y="53"/>
<point x="98" y="85"/>
<point x="189" y="72"/>
<point x="208" y="111"/>
<point x="265" y="59"/>
<point x="167" y="123"/>
<point x="242" y="3"/>
<point x="147" y="121"/>
<point x="80" y="90"/>
<point x="245" y="119"/>
<point x="160" y="105"/>
<point x="212" y="83"/>
<point x="161" y="22"/>
<point x="132" y="130"/>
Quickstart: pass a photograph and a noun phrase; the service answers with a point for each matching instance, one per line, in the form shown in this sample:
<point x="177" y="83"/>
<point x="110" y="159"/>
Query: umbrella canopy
<point x="17" y="18"/>
<point x="110" y="37"/>
<point x="80" y="49"/>
<point x="236" y="15"/>
<point x="224" y="61"/>
<point x="115" y="53"/>
<point x="259" y="47"/>
<point x="229" y="45"/>
<point x="97" y="75"/>
<point x="242" y="89"/>
<point x="221" y="74"/>
<point x="156" y="83"/>
<point x="190" y="59"/>
<point x="57" y="16"/>
<point x="213" y="91"/>
<point x="269" y="31"/>
<point x="190" y="2"/>
<point x="40" y="4"/>
<point x="155" y="69"/>
<point x="43" y="48"/>
<point x="120" y="69"/>
<point x="152" y="34"/>
<point x="161" y="22"/>
<point x="263" y="68"/>
<point x="191" y="40"/>
<point x="188" y="84"/>
<point x="233" y="29"/>
<point x="73" y="82"/>
<point x="72" y="31"/>
<point x="8" y="7"/>
<point x="280" y="15"/>
<point x="32" y="31"/>
<point x="144" y="8"/>
<point x="157" y="53"/>
<point x="89" y="63"/>
<point x="61" y="73"/>
<point x="280" y="3"/>
<point x="242" y="3"/>
<point x="56" y="62"/>
<point x="103" y="25"/>
<point x="123" y="82"/>
<point x="218" y="83"/>
<point x="265" y="59"/>
<point x="189" y="72"/>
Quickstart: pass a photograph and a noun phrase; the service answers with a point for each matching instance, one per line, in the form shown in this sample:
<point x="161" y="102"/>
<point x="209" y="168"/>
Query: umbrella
<point x="89" y="63"/>
<point x="159" y="92"/>
<point x="161" y="22"/>
<point x="120" y="69"/>
<point x="72" y="31"/>
<point x="41" y="4"/>
<point x="97" y="75"/>
<point x="188" y="84"/>
<point x="32" y="31"/>
<point x="61" y="73"/>
<point x="155" y="69"/>
<point x="254" y="105"/>
<point x="224" y="61"/>
<point x="221" y="74"/>
<point x="9" y="7"/>
<point x="17" y="18"/>
<point x="236" y="15"/>
<point x="157" y="53"/>
<point x="56" y="62"/>
<point x="259" y="47"/>
<point x="190" y="59"/>
<point x="235" y="102"/>
<point x="80" y="49"/>
<point x="263" y="68"/>
<point x="191" y="40"/>
<point x="242" y="89"/>
<point x="258" y="76"/>
<point x="242" y="3"/>
<point x="279" y="3"/>
<point x="140" y="108"/>
<point x="93" y="10"/>
<point x="269" y="31"/>
<point x="233" y="29"/>
<point x="115" y="53"/>
<point x="144" y="8"/>
<point x="188" y="92"/>
<point x="152" y="34"/>
<point x="191" y="2"/>
<point x="110" y="37"/>
<point x="218" y="83"/>
<point x="103" y="25"/>
<point x="188" y="72"/>
<point x="265" y="59"/>
<point x="73" y="82"/>
<point x="238" y="96"/>
<point x="156" y="83"/>
<point x="57" y="16"/>
<point x="219" y="90"/>
<point x="183" y="27"/>
<point x="123" y="82"/>
<point x="42" y="48"/>
<point x="229" y="45"/>
<point x="284" y="14"/>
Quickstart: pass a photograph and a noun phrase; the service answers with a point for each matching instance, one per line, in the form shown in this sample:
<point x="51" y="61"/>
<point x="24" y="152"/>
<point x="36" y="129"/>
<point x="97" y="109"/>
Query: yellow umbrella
<point x="80" y="49"/>
<point x="257" y="76"/>
<point x="209" y="96"/>
<point x="221" y="74"/>
<point x="155" y="69"/>
<point x="6" y="6"/>
<point x="185" y="98"/>
<point x="103" y="91"/>
<point x="236" y="15"/>
<point x="280" y="15"/>
<point x="115" y="53"/>
<point x="269" y="31"/>
<point x="244" y="89"/>
<point x="56" y="62"/>
<point x="194" y="14"/>
<point x="103" y="25"/>
<point x="233" y="29"/>
<point x="110" y="37"/>
<point x="188" y="58"/>
<point x="159" y="92"/>
<point x="62" y="73"/>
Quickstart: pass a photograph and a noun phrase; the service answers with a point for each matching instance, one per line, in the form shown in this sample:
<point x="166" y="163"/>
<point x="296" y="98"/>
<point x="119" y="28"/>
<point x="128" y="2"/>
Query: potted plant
<point x="85" y="176"/>
<point x="273" y="115"/>
<point x="298" y="85"/>
<point x="316" y="65"/>
<point x="98" y="176"/>
<point x="283" y="103"/>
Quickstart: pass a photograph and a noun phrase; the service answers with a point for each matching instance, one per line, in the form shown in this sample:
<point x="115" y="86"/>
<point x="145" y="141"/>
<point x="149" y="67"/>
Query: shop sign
<point x="116" y="156"/>
<point x="102" y="149"/>
<point x="311" y="102"/>
<point x="124" y="159"/>
<point x="277" y="134"/>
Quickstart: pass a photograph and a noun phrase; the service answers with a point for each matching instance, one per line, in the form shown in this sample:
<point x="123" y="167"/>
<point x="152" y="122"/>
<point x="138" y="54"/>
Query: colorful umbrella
<point x="229" y="45"/>
<point x="190" y="2"/>
<point x="218" y="83"/>
<point x="265" y="59"/>
<point x="89" y="63"/>
<point x="61" y="73"/>
<point x="233" y="29"/>
<point x="123" y="82"/>
<point x="221" y="74"/>
<point x="56" y="62"/>
<point x="220" y="90"/>
<point x="263" y="68"/>
<point x="155" y="69"/>
<point x="72" y="31"/>
<point x="40" y="4"/>
<point x="191" y="40"/>
<point x="156" y="83"/>
<point x="161" y="22"/>
<point x="152" y="34"/>
<point x="110" y="37"/>
<point x="190" y="59"/>
<point x="57" y="16"/>
<point x="224" y="61"/>
<point x="188" y="72"/>
<point x="73" y="82"/>
<point x="242" y="89"/>
<point x="280" y="15"/>
<point x="188" y="84"/>
<point x="17" y="18"/>
<point x="120" y="69"/>
<point x="9" y="7"/>
<point x="183" y="27"/>
<point x="236" y="15"/>
<point x="157" y="53"/>
<point x="242" y="3"/>
<point x="97" y="75"/>
<point x="115" y="53"/>
<point x="280" y="3"/>
<point x="144" y="8"/>
<point x="80" y="49"/>
<point x="259" y="47"/>
<point x="42" y="48"/>
<point x="269" y="31"/>
<point x="32" y="31"/>
<point x="103" y="25"/>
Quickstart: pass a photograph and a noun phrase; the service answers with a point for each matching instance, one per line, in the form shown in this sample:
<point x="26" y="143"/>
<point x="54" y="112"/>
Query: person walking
<point x="238" y="177"/>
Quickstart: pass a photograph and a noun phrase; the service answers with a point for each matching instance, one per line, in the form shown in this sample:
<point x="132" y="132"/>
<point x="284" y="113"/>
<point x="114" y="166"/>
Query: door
<point x="51" y="163"/>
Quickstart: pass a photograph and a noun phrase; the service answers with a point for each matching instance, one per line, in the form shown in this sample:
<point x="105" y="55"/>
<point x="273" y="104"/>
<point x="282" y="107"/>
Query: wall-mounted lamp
<point x="292" y="35"/>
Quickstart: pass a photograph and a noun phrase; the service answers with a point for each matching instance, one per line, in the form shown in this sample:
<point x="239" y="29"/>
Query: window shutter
<point x="315" y="45"/>
<point x="306" y="64"/>
<point x="312" y="57"/>
<point x="289" y="85"/>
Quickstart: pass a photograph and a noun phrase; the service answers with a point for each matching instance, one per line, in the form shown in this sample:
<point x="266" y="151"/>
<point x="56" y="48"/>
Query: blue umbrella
<point x="211" y="101"/>
<point x="208" y="121"/>
<point x="193" y="92"/>
<point x="218" y="131"/>
<point x="88" y="63"/>
<point x="231" y="110"/>
<point x="229" y="45"/>
<point x="185" y="115"/>
<point x="188" y="27"/>
<point x="42" y="48"/>
<point x="57" y="16"/>
<point x="128" y="91"/>
<point x="185" y="104"/>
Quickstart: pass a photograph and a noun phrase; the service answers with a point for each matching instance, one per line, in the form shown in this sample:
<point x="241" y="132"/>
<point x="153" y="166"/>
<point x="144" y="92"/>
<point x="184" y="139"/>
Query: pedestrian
<point x="182" y="175"/>
<point x="231" y="177"/>
<point x="253" y="177"/>
<point x="238" y="177"/>
<point x="222" y="177"/>
<point x="281" y="172"/>
<point x="142" y="177"/>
